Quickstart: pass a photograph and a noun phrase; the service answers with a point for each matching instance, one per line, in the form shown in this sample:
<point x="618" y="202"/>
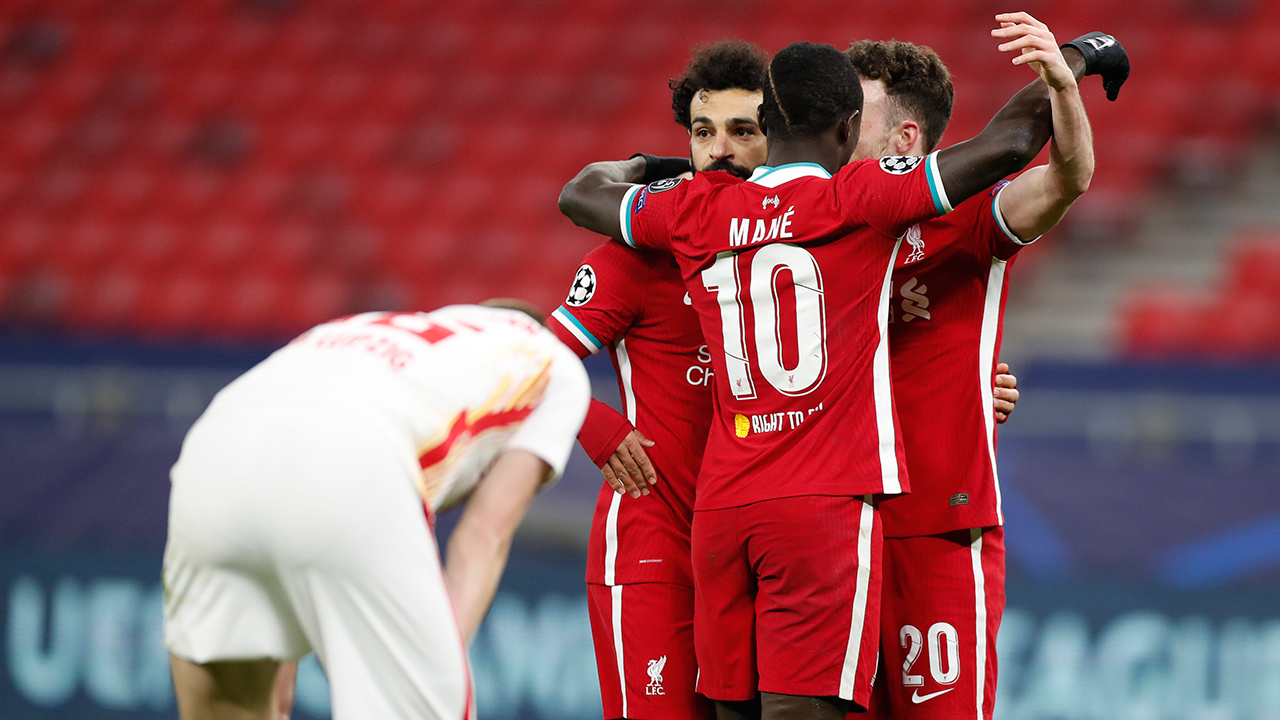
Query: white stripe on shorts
<point x="980" y="613"/>
<point x="616" y="591"/>
<point x="850" y="672"/>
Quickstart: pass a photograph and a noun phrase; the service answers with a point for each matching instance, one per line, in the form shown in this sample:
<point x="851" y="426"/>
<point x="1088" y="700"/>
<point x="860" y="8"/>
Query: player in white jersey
<point x="301" y="508"/>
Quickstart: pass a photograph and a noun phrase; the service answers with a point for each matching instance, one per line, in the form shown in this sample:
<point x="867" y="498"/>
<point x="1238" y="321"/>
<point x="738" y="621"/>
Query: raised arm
<point x="1033" y="203"/>
<point x="1022" y="127"/>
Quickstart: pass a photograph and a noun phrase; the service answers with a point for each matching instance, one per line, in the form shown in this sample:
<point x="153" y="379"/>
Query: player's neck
<point x="822" y="150"/>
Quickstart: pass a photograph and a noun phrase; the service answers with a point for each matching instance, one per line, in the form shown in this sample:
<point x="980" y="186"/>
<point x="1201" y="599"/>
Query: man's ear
<point x="904" y="137"/>
<point x="764" y="127"/>
<point x="848" y="129"/>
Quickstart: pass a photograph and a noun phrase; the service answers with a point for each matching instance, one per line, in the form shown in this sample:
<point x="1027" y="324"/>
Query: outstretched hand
<point x="1038" y="48"/>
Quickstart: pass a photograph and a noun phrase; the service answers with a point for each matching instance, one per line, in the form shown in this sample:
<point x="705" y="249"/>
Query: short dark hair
<point x="517" y="304"/>
<point x="723" y="65"/>
<point x="915" y="81"/>
<point x="809" y="88"/>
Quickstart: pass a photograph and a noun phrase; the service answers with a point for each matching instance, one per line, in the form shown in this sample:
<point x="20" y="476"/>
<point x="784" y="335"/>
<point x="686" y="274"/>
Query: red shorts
<point x="643" y="635"/>
<point x="943" y="597"/>
<point x="788" y="598"/>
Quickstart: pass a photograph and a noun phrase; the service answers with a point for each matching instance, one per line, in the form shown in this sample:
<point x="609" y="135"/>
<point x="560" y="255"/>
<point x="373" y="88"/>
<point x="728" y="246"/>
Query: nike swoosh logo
<point x="687" y="300"/>
<point x="917" y="698"/>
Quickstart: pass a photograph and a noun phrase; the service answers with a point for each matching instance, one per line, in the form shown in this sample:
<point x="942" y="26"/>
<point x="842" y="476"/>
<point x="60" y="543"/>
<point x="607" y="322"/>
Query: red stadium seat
<point x="109" y="302"/>
<point x="87" y="245"/>
<point x="1254" y="265"/>
<point x="399" y="148"/>
<point x="175" y="303"/>
<point x="153" y="245"/>
<point x="1164" y="322"/>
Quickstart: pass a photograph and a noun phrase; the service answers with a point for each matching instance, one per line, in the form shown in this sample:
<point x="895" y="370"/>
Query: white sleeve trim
<point x="577" y="329"/>
<point x="935" y="185"/>
<point x="624" y="214"/>
<point x="1004" y="227"/>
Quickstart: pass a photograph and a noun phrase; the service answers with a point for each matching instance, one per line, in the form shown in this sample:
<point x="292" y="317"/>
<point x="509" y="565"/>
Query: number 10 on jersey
<point x="809" y="344"/>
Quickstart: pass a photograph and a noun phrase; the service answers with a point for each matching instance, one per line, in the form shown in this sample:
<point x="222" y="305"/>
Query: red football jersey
<point x="634" y="303"/>
<point x="949" y="288"/>
<point x="790" y="275"/>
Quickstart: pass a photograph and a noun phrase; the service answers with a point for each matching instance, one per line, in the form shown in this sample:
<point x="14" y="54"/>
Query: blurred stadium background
<point x="185" y="184"/>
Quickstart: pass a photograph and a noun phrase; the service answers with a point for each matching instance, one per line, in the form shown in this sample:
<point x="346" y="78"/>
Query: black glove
<point x="660" y="168"/>
<point x="1105" y="56"/>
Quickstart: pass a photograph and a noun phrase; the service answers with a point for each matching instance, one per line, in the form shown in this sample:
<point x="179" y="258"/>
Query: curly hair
<point x="723" y="65"/>
<point x="916" y="82"/>
<point x="809" y="88"/>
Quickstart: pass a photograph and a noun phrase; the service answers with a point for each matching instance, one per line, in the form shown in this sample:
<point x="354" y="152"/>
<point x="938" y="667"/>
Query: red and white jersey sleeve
<point x="663" y="203"/>
<point x="789" y="274"/>
<point x="634" y="303"/>
<point x="892" y="193"/>
<point x="949" y="290"/>
<point x="453" y="388"/>
<point x="606" y="296"/>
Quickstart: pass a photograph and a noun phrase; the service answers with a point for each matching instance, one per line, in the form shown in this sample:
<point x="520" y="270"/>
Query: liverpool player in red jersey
<point x="633" y="302"/>
<point x="943" y="563"/>
<point x="778" y="527"/>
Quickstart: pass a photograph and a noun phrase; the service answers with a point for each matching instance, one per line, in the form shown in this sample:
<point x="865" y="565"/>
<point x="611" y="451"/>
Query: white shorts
<point x="291" y="532"/>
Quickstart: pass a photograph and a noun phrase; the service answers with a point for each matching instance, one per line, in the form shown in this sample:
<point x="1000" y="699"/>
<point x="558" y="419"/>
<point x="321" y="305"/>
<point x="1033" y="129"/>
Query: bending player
<point x="302" y="502"/>
<point x="756" y="486"/>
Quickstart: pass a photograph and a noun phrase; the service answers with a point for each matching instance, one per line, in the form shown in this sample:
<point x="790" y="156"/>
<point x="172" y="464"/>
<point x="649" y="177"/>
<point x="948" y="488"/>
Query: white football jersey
<point x="453" y="387"/>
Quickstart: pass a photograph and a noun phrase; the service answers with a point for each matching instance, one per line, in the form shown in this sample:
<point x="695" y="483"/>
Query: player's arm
<point x="604" y="301"/>
<point x="608" y="438"/>
<point x="1021" y="128"/>
<point x="594" y="199"/>
<point x="617" y="449"/>
<point x="536" y="454"/>
<point x="479" y="545"/>
<point x="1033" y="203"/>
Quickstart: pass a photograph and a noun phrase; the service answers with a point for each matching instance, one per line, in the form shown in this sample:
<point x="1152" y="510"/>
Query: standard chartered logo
<point x="700" y="375"/>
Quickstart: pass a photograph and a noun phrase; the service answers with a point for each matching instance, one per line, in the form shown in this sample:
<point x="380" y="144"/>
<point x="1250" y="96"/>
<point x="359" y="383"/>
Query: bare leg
<point x="239" y="690"/>
<point x="738" y="709"/>
<point x="803" y="707"/>
<point x="285" y="690"/>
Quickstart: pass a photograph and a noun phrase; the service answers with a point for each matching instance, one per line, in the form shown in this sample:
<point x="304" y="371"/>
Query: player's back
<point x="447" y="387"/>
<point x="790" y="275"/>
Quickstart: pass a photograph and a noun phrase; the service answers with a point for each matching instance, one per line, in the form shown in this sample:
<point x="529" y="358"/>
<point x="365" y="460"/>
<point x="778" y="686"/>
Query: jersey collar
<point x="772" y="177"/>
